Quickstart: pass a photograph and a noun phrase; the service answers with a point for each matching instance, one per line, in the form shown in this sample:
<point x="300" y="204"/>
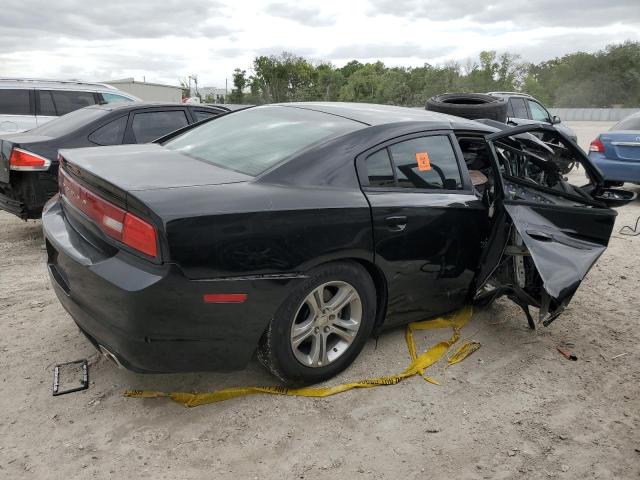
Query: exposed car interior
<point x="531" y="171"/>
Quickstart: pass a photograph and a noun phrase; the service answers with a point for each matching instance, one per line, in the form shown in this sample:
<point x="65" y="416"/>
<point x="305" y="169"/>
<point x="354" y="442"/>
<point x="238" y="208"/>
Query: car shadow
<point x="501" y="329"/>
<point x="13" y="229"/>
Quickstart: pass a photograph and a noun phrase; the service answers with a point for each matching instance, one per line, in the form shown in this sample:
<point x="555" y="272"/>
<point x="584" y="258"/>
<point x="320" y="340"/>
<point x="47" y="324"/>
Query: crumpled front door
<point x="546" y="233"/>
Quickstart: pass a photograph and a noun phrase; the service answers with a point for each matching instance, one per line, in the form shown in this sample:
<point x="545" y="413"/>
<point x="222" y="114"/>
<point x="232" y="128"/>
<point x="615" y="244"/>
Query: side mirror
<point x="615" y="197"/>
<point x="555" y="120"/>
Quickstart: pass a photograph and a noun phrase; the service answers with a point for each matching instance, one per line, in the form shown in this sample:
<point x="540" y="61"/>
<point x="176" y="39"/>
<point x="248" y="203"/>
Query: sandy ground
<point x="514" y="409"/>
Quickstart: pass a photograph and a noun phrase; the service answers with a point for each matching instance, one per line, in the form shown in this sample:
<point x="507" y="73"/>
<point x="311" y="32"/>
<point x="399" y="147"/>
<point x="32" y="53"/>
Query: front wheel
<point x="322" y="326"/>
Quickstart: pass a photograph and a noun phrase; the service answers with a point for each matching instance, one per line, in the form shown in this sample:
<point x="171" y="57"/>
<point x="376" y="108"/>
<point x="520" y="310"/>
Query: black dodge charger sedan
<point x="296" y="230"/>
<point x="29" y="160"/>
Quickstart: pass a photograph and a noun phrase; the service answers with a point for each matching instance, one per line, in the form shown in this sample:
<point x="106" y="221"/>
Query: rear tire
<point x="331" y="340"/>
<point x="469" y="105"/>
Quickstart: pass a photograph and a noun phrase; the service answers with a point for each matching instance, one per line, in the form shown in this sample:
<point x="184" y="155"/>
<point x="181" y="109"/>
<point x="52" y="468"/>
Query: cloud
<point x="278" y="49"/>
<point x="538" y="49"/>
<point x="522" y="13"/>
<point x="309" y="16"/>
<point x="406" y="50"/>
<point x="234" y="52"/>
<point x="92" y="19"/>
<point x="169" y="39"/>
<point x="93" y="39"/>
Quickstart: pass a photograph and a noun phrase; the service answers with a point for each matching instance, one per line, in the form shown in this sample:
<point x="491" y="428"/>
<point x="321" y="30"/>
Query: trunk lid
<point x="147" y="167"/>
<point x="622" y="145"/>
<point x="120" y="175"/>
<point x="32" y="143"/>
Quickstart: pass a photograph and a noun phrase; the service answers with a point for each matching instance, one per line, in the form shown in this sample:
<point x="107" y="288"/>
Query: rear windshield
<point x="252" y="141"/>
<point x="629" y="123"/>
<point x="69" y="122"/>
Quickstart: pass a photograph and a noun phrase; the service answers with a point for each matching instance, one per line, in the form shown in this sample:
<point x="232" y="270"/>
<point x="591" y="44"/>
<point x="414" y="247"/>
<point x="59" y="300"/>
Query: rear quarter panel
<point x="247" y="228"/>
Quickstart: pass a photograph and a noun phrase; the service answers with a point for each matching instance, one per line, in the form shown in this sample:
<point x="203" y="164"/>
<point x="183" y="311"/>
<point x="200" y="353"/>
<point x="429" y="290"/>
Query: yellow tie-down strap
<point x="419" y="363"/>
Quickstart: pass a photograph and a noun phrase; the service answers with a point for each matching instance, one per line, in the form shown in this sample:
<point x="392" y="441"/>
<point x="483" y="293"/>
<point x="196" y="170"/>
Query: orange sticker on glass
<point x="423" y="161"/>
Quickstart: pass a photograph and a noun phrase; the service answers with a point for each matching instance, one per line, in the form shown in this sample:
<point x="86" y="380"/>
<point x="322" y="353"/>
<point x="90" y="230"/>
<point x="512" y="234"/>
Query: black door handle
<point x="396" y="224"/>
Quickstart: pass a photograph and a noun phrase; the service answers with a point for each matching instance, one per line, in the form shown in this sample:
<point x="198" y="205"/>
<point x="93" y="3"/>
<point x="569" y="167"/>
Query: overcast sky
<point x="163" y="40"/>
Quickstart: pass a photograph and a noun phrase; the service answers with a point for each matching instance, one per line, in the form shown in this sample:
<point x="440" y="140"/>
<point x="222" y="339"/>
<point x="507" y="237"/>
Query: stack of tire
<point x="469" y="105"/>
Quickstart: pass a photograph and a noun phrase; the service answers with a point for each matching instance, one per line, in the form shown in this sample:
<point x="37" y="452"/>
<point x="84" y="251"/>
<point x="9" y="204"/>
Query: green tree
<point x="282" y="78"/>
<point x="601" y="79"/>
<point x="350" y="68"/>
<point x="364" y="84"/>
<point x="239" y="84"/>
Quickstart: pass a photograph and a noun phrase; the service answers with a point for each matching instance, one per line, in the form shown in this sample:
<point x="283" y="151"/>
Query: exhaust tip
<point x="110" y="356"/>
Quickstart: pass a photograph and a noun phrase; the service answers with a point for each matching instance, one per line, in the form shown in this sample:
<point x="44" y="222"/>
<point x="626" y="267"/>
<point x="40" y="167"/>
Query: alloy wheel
<point x="326" y="324"/>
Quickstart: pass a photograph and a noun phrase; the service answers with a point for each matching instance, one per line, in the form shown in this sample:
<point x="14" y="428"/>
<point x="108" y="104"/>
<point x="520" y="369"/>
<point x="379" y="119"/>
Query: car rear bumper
<point x="616" y="170"/>
<point x="151" y="317"/>
<point x="27" y="192"/>
<point x="11" y="205"/>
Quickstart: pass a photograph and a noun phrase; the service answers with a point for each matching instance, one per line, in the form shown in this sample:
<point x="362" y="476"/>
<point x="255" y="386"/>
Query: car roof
<point x="373" y="114"/>
<point x="510" y="94"/>
<point x="131" y="105"/>
<point x="54" y="84"/>
<point x="232" y="107"/>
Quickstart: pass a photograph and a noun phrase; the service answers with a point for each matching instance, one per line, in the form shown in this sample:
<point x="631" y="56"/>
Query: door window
<point x="518" y="108"/>
<point x="151" y="125"/>
<point x="538" y="112"/>
<point x="45" y="101"/>
<point x="111" y="133"/>
<point x="68" y="101"/>
<point x="14" y="102"/>
<point x="426" y="162"/>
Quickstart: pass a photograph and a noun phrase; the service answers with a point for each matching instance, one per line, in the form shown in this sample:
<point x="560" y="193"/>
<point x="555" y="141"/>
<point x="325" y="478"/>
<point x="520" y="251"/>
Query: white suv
<point x="28" y="103"/>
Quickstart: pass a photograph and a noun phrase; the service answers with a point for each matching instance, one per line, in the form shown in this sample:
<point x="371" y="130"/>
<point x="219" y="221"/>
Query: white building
<point x="151" y="92"/>
<point x="215" y="92"/>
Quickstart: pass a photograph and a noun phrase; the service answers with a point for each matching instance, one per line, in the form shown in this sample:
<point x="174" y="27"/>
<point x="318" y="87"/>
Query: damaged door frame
<point x="515" y="253"/>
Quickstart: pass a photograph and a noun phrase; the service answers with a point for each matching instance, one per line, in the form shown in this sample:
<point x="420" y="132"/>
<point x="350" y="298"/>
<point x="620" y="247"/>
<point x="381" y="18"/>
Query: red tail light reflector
<point x="114" y="221"/>
<point x="139" y="234"/>
<point x="596" y="146"/>
<point x="224" y="297"/>
<point x="21" y="160"/>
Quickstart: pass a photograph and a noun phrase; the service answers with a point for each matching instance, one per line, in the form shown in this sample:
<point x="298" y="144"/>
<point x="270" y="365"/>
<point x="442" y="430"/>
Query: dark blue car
<point x="617" y="152"/>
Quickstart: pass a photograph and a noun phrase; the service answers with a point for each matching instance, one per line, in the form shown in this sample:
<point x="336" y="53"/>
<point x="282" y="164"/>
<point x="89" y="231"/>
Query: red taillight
<point x="224" y="297"/>
<point x="596" y="146"/>
<point x="22" y="160"/>
<point x="108" y="217"/>
<point x="114" y="221"/>
<point x="139" y="234"/>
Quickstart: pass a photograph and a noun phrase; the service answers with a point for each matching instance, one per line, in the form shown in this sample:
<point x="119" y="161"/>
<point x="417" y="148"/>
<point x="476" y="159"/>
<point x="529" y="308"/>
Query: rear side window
<point x="518" y="108"/>
<point x="110" y="134"/>
<point x="114" y="98"/>
<point x="426" y="162"/>
<point x="252" y="141"/>
<point x="379" y="169"/>
<point x="204" y="114"/>
<point x="14" y="102"/>
<point x="68" y="101"/>
<point x="510" y="110"/>
<point x="45" y="102"/>
<point x="151" y="125"/>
